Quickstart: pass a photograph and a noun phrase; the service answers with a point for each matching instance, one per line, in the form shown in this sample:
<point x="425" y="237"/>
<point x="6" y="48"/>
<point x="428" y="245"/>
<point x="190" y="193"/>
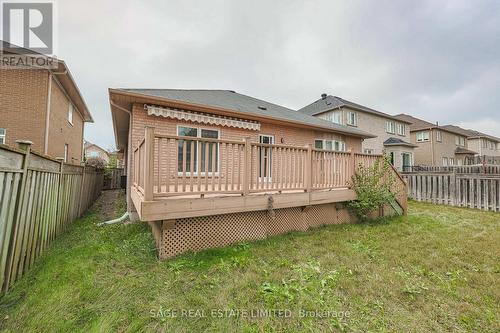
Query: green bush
<point x="373" y="188"/>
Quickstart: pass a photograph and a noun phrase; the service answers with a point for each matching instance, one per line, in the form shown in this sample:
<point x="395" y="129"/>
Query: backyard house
<point x="438" y="145"/>
<point x="210" y="167"/>
<point x="94" y="151"/>
<point x="391" y="134"/>
<point x="486" y="146"/>
<point x="44" y="106"/>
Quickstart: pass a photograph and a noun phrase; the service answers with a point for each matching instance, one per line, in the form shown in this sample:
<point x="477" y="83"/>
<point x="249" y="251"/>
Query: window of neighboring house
<point x="445" y="161"/>
<point x="65" y="153"/>
<point x="369" y="151"/>
<point x="492" y="145"/>
<point x="390" y="127"/>
<point x="70" y="114"/>
<point x="352" y="118"/>
<point x="459" y="161"/>
<point x="192" y="146"/>
<point x="460" y="141"/>
<point x="93" y="154"/>
<point x="334" y="145"/>
<point x="265" y="156"/>
<point x="439" y="136"/>
<point x="452" y="161"/>
<point x="423" y="136"/>
<point x="3" y="132"/>
<point x="484" y="143"/>
<point x="401" y="129"/>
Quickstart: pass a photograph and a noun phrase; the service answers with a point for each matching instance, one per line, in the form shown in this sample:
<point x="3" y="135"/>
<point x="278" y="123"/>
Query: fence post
<point x="149" y="138"/>
<point x="81" y="192"/>
<point x="247" y="166"/>
<point x="454" y="188"/>
<point x="25" y="146"/>
<point x="308" y="169"/>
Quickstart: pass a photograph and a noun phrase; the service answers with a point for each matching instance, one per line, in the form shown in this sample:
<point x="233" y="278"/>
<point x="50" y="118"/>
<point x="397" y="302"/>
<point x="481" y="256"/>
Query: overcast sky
<point x="438" y="60"/>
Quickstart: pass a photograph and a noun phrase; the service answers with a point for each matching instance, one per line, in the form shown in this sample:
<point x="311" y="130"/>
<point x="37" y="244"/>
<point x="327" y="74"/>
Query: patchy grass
<point x="435" y="270"/>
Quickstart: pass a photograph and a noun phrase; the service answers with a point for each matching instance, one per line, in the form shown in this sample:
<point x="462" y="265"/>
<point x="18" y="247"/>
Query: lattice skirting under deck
<point x="174" y="237"/>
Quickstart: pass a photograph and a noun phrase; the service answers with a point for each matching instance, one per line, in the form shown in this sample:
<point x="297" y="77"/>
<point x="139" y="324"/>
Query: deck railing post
<point x="352" y="164"/>
<point x="308" y="169"/>
<point x="247" y="166"/>
<point x="149" y="138"/>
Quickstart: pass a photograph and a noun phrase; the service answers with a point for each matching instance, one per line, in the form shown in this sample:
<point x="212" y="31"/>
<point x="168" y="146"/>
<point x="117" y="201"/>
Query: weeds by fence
<point x="39" y="198"/>
<point x="112" y="178"/>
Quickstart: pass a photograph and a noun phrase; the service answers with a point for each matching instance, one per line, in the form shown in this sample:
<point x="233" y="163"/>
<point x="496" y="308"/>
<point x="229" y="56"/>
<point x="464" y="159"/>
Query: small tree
<point x="95" y="162"/>
<point x="373" y="188"/>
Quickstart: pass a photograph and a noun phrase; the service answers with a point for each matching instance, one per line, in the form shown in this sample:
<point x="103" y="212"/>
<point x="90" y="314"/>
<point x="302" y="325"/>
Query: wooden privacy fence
<point x="166" y="165"/>
<point x="39" y="197"/>
<point x="481" y="191"/>
<point x="112" y="178"/>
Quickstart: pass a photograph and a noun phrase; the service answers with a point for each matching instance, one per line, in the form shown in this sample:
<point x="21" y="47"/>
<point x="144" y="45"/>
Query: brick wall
<point x="23" y="105"/>
<point x="61" y="132"/>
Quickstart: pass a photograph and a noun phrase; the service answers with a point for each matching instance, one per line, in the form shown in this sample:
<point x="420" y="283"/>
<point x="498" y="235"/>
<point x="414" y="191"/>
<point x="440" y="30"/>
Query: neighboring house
<point x="437" y="145"/>
<point x="94" y="151"/>
<point x="207" y="168"/>
<point x="486" y="146"/>
<point x="392" y="135"/>
<point x="43" y="106"/>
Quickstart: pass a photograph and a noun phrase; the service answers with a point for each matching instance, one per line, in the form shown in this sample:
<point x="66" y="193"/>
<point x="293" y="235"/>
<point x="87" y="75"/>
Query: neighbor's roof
<point x="471" y="133"/>
<point x="88" y="145"/>
<point x="233" y="101"/>
<point x="333" y="102"/>
<point x="461" y="150"/>
<point x="420" y="124"/>
<point x="398" y="142"/>
<point x="62" y="74"/>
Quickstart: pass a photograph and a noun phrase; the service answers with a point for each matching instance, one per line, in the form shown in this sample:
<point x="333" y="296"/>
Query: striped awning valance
<point x="201" y="117"/>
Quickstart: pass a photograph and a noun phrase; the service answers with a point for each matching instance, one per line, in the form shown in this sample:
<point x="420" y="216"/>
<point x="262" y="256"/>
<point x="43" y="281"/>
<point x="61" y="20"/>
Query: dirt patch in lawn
<point x="110" y="205"/>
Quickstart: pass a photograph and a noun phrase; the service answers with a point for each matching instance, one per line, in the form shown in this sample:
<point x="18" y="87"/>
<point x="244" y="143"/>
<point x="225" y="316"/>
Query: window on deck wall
<point x="191" y="148"/>
<point x="333" y="145"/>
<point x="2" y="136"/>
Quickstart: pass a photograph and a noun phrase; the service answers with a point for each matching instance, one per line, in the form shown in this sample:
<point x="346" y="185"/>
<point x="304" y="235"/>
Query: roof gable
<point x="328" y="103"/>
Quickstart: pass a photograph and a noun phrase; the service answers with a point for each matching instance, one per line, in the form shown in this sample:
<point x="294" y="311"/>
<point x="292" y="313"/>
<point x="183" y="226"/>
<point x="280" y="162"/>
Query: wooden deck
<point x="178" y="177"/>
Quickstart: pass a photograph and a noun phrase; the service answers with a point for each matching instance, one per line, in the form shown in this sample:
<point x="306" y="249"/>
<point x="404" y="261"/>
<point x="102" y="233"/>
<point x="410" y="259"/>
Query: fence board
<point x="39" y="197"/>
<point x="479" y="191"/>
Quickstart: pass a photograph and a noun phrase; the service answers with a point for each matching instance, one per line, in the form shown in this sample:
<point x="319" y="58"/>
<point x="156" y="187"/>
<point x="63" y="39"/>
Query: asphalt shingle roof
<point x="333" y="102"/>
<point x="470" y="133"/>
<point x="397" y="142"/>
<point x="231" y="100"/>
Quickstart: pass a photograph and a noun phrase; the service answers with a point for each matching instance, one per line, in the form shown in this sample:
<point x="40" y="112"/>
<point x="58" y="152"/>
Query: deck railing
<point x="167" y="165"/>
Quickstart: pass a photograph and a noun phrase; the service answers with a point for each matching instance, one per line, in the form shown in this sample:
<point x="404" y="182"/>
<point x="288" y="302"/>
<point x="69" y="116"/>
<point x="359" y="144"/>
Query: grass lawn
<point x="437" y="269"/>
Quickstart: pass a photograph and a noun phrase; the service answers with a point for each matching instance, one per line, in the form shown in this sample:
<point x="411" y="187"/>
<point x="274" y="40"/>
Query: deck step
<point x="396" y="206"/>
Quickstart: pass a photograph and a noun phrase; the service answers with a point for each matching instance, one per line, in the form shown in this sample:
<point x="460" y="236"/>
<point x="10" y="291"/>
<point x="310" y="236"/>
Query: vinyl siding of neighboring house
<point x="24" y="97"/>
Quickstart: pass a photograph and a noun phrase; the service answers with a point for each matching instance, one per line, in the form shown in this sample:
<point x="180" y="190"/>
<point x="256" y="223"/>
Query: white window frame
<point x="424" y="137"/>
<point x="192" y="138"/>
<point x="445" y="161"/>
<point x="352" y="118"/>
<point x="390" y="127"/>
<point x="3" y="137"/>
<point x="401" y="128"/>
<point x="71" y="109"/>
<point x="439" y="136"/>
<point x="270" y="157"/>
<point x="333" y="143"/>
<point x="66" y="149"/>
<point x="459" y="141"/>
<point x="368" y="151"/>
